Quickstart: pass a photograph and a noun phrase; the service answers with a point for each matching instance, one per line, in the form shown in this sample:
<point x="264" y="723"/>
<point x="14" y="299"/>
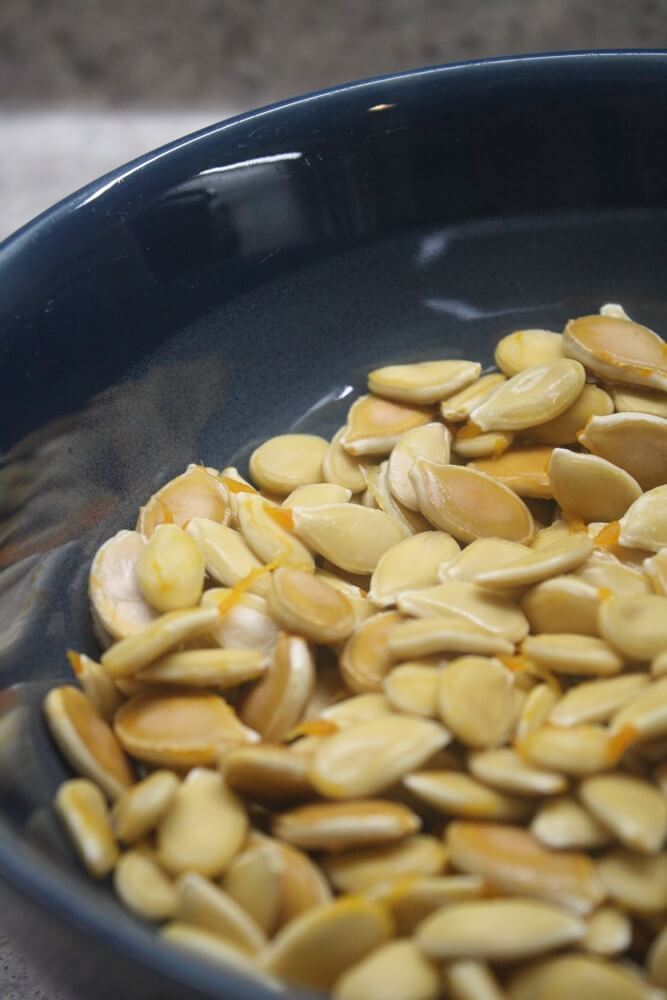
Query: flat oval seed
<point x="354" y="871"/>
<point x="413" y="688"/>
<point x="318" y="946"/>
<point x="138" y="811"/>
<point x="535" y="710"/>
<point x="243" y="621"/>
<point x="506" y="770"/>
<point x="375" y="425"/>
<point x="573" y="654"/>
<point x="563" y="602"/>
<point x="128" y="656"/>
<point x="656" y="961"/>
<point x="372" y="756"/>
<point x="117" y="604"/>
<point x="536" y="565"/>
<point x="644" y="524"/>
<point x="352" y="537"/>
<point x="466" y="979"/>
<point x="171" y="569"/>
<point x="494" y="612"/>
<point x="361" y="708"/>
<point x="609" y="932"/>
<point x="83" y="812"/>
<point x="618" y="350"/>
<point x="213" y="949"/>
<point x="562" y="430"/>
<point x="423" y="382"/>
<point x="302" y="603"/>
<point x="596" y="701"/>
<point x="646" y="716"/>
<point x="526" y="349"/>
<point x="277" y="702"/>
<point x="340" y="468"/>
<point x="635" y="400"/>
<point x="579" y="750"/>
<point x="444" y="635"/>
<point x="603" y="570"/>
<point x="637" y="626"/>
<point x="195" y="493"/>
<point x="228" y="556"/>
<point x="565" y="825"/>
<point x="514" y="862"/>
<point x="634" y="810"/>
<point x="366" y="659"/>
<point x="483" y="446"/>
<point x="289" y="460"/>
<point x="144" y="888"/>
<point x="635" y="882"/>
<point x="217" y="668"/>
<point x="338" y="826"/>
<point x="460" y="795"/>
<point x="590" y="487"/>
<point x="469" y="504"/>
<point x="316" y="494"/>
<point x="96" y="684"/>
<point x="254" y="880"/>
<point x="204" y="828"/>
<point x="637" y="442"/>
<point x="458" y="407"/>
<point x="498" y="930"/>
<point x="262" y="527"/>
<point x="532" y="397"/>
<point x="409" y="521"/>
<point x="203" y="904"/>
<point x="411" y="564"/>
<point x="394" y="971"/>
<point x="432" y="441"/>
<point x="86" y="740"/>
<point x="476" y="701"/>
<point x="267" y="773"/>
<point x="303" y="886"/>
<point x="181" y="727"/>
<point x="478" y="556"/>
<point x="522" y="469"/>
<point x="577" y="976"/>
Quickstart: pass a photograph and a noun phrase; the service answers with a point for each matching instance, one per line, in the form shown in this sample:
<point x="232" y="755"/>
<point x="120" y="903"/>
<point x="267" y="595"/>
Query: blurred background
<point x="86" y="85"/>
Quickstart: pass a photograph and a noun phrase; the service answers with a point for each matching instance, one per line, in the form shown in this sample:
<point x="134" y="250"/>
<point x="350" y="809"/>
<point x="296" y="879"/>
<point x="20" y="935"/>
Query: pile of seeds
<point x="392" y="722"/>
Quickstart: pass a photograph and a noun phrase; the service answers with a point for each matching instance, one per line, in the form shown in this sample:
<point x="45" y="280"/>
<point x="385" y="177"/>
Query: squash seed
<point x="577" y="750"/>
<point x="469" y="504"/>
<point x="96" y="684"/>
<point x="371" y="756"/>
<point x="637" y="442"/>
<point x="284" y="462"/>
<point x="535" y="710"/>
<point x="526" y="349"/>
<point x="458" y="407"/>
<point x="657" y="960"/>
<point x="635" y="882"/>
<point x="315" y="948"/>
<point x="645" y="717"/>
<point x="213" y="949"/>
<point x="86" y="741"/>
<point x="563" y="602"/>
<point x="127" y="657"/>
<point x="505" y="770"/>
<point x="457" y="794"/>
<point x="138" y="811"/>
<point x="634" y="810"/>
<point x="523" y="469"/>
<point x="531" y="397"/>
<point x="243" y="621"/>
<point x="644" y="524"/>
<point x="216" y="668"/>
<point x="267" y="773"/>
<point x="413" y="688"/>
<point x="340" y="468"/>
<point x="170" y="569"/>
<point x="228" y="556"/>
<point x="203" y="904"/>
<point x="204" y="828"/>
<point x="354" y="871"/>
<point x="499" y="930"/>
<point x="577" y="976"/>
<point x="591" y="402"/>
<point x="478" y="556"/>
<point x="590" y="487"/>
<point x="352" y="537"/>
<point x="302" y="603"/>
<point x="432" y="441"/>
<point x="411" y="899"/>
<point x="366" y="658"/>
<point x="316" y="494"/>
<point x="564" y="824"/>
<point x="597" y="701"/>
<point x="629" y="399"/>
<point x="466" y="979"/>
<point x="535" y="565"/>
<point x="424" y="382"/>
<point x="361" y="708"/>
<point x="267" y="531"/>
<point x="277" y="702"/>
<point x="475" y="700"/>
<point x="443" y="635"/>
<point x="254" y="880"/>
<point x="83" y="812"/>
<point x="618" y="350"/>
<point x="394" y="971"/>
<point x="514" y="862"/>
<point x="573" y="654"/>
<point x="143" y="887"/>
<point x="374" y="425"/>
<point x="195" y="493"/>
<point x="178" y="727"/>
<point x="494" y="612"/>
<point x="609" y="932"/>
<point x="490" y="446"/>
<point x="637" y="626"/>
<point x="377" y="479"/>
<point x="411" y="564"/>
<point x="117" y="604"/>
<point x="338" y="826"/>
<point x="603" y="571"/>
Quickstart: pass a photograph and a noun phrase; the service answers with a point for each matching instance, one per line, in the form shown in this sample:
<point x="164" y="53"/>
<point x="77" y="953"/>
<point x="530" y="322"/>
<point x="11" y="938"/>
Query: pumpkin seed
<point x="637" y="442"/>
<point x="488" y="446"/>
<point x="203" y="904"/>
<point x="577" y="976"/>
<point x="127" y="657"/>
<point x="656" y="570"/>
<point x="531" y="397"/>
<point x="411" y="564"/>
<point x="228" y="556"/>
<point x="466" y="979"/>
<point x="635" y="882"/>
<point x="657" y="960"/>
<point x="577" y="750"/>
<point x="212" y="948"/>
<point x="591" y="488"/>
<point x="374" y="425"/>
<point x="366" y="659"/>
<point x="637" y="626"/>
<point x="243" y="621"/>
<point x="277" y="702"/>
<point x="361" y="708"/>
<point x="394" y="971"/>
<point x="268" y="532"/>
<point x="254" y="879"/>
<point x="354" y="871"/>
<point x="573" y="654"/>
<point x="289" y="460"/>
<point x="596" y="701"/>
<point x="609" y="932"/>
<point x="198" y="492"/>
<point x="170" y="569"/>
<point x="302" y="603"/>
<point x="535" y="710"/>
<point x="478" y="556"/>
<point x="340" y="468"/>
<point x="83" y="812"/>
<point x="634" y="811"/>
<point x="268" y="773"/>
<point x="564" y="824"/>
<point x="138" y="810"/>
<point x="117" y="604"/>
<point x="424" y="382"/>
<point x="526" y="349"/>
<point x="352" y="537"/>
<point x="523" y="469"/>
<point x="535" y="565"/>
<point x="337" y="826"/>
<point x="316" y="494"/>
<point x="413" y="688"/>
<point x="411" y="899"/>
<point x="475" y="701"/>
<point x="563" y="602"/>
<point x="591" y="402"/>
<point x="618" y="350"/>
<point x="458" y="407"/>
<point x="494" y="612"/>
<point x="460" y="795"/>
<point x="628" y="399"/>
<point x="645" y="717"/>
<point x="97" y="686"/>
<point x="644" y="524"/>
<point x="217" y="668"/>
<point x="505" y="770"/>
<point x="432" y="441"/>
<point x="443" y="635"/>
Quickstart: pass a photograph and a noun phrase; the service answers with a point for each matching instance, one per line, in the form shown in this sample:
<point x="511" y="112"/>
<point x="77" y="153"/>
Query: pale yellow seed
<point x="266" y="535"/>
<point x="171" y="569"/>
<point x="617" y="349"/>
<point x="573" y="654"/>
<point x="578" y="750"/>
<point x="458" y="407"/>
<point x="144" y="888"/>
<point x="337" y="826"/>
<point x="254" y="879"/>
<point x="228" y="556"/>
<point x="411" y="899"/>
<point x="628" y="399"/>
<point x="637" y="626"/>
<point x="527" y="348"/>
<point x="591" y="402"/>
<point x="596" y="701"/>
<point x="340" y="468"/>
<point x="277" y="702"/>
<point x="590" y="487"/>
<point x="496" y="613"/>
<point x="604" y="571"/>
<point x="127" y="657"/>
<point x="644" y="524"/>
<point x="117" y="604"/>
<point x="354" y="871"/>
<point x="213" y="949"/>
<point x="659" y="664"/>
<point x="656" y="961"/>
<point x="484" y="446"/>
<point x="635" y="882"/>
<point x="377" y="479"/>
<point x="609" y="932"/>
<point x="467" y="979"/>
<point x="532" y="397"/>
<point x="411" y="564"/>
<point x="514" y="862"/>
<point x="634" y="810"/>
<point x="413" y="688"/>
<point x="444" y="635"/>
<point x="138" y="811"/>
<point x="637" y="442"/>
<point x="522" y="469"/>
<point x="460" y="795"/>
<point x="83" y="812"/>
<point x="432" y="441"/>
<point x="562" y="603"/>
<point x="268" y="773"/>
<point x="475" y="701"/>
<point x="198" y="492"/>
<point x="565" y="825"/>
<point x="478" y="556"/>
<point x="203" y="904"/>
<point x="366" y="658"/>
<point x="535" y="710"/>
<point x="505" y="770"/>
<point x="655" y="569"/>
<point x="536" y="565"/>
<point x="204" y="828"/>
<point x="498" y="930"/>
<point x="289" y="460"/>
<point x="216" y="668"/>
<point x="469" y="504"/>
<point x="573" y="976"/>
<point x="242" y="623"/>
<point x="365" y="759"/>
<point x="301" y="603"/>
<point x="423" y="382"/>
<point x="352" y="537"/>
<point x="316" y="494"/>
<point x="374" y="425"/>
<point x="394" y="971"/>
<point x="645" y="717"/>
<point x="360" y="708"/>
<point x="98" y="687"/>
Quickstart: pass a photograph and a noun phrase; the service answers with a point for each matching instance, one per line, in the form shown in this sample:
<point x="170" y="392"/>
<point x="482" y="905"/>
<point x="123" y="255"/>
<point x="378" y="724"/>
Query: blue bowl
<point x="240" y="282"/>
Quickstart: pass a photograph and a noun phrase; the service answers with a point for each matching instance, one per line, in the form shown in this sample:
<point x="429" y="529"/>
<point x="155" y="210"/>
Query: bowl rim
<point x="49" y="888"/>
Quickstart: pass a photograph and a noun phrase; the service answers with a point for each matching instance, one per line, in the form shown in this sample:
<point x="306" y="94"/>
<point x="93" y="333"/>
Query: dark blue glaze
<point x="240" y="282"/>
